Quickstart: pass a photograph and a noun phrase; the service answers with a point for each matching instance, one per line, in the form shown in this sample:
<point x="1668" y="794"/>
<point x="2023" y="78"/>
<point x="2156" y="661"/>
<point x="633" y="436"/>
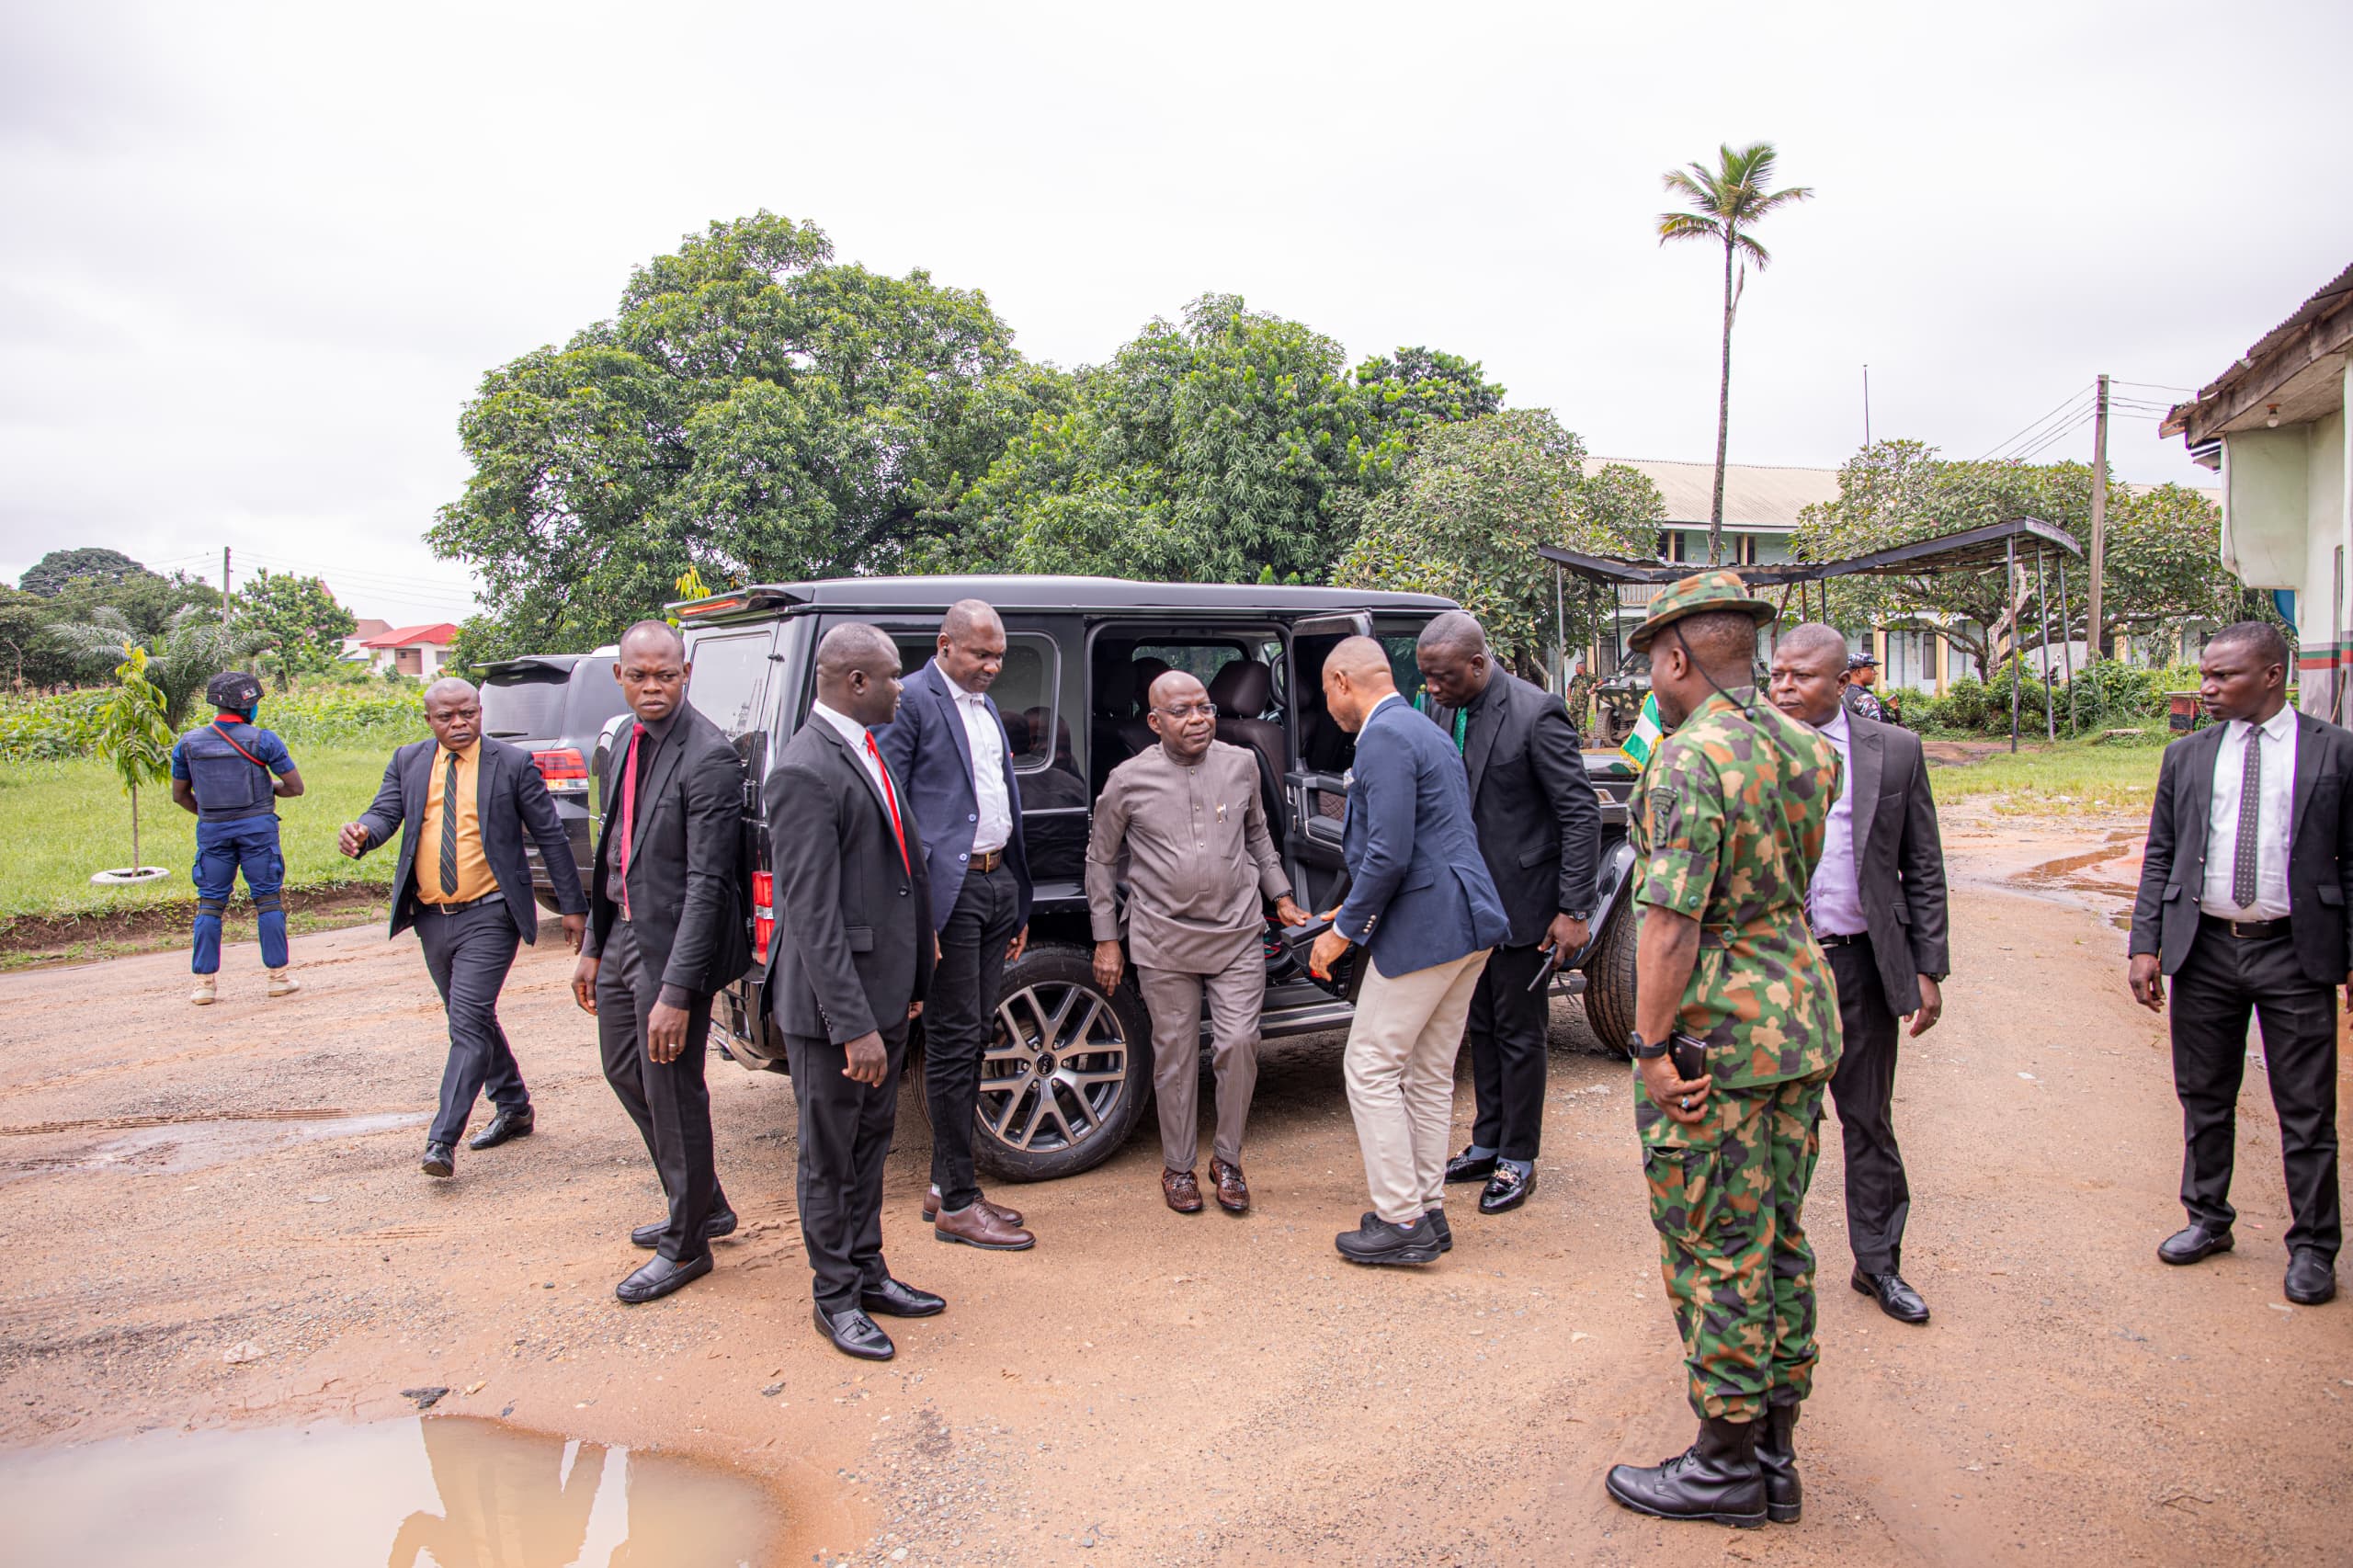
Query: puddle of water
<point x="445" y="1491"/>
<point x="2093" y="879"/>
<point x="175" y="1147"/>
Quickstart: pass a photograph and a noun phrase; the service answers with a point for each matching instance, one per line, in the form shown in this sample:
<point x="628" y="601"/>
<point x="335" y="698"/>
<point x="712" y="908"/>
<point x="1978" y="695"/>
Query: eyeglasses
<point x="1191" y="711"/>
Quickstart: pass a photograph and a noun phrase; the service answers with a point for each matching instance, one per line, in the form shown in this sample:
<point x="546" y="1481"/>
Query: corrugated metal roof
<point x="2320" y="303"/>
<point x="1755" y="497"/>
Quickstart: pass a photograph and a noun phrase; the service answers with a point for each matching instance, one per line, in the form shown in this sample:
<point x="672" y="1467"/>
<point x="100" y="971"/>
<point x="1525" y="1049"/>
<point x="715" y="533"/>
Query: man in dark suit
<point x="667" y="928"/>
<point x="1421" y="905"/>
<point x="1876" y="905"/>
<point x="469" y="803"/>
<point x="949" y="746"/>
<point x="854" y="955"/>
<point x="2245" y="888"/>
<point x="1540" y="832"/>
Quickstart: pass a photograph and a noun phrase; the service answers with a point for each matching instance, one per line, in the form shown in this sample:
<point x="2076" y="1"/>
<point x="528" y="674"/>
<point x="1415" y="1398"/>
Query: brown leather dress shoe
<point x="931" y="1209"/>
<point x="1182" y="1192"/>
<point x="1232" y="1192"/>
<point x="978" y="1226"/>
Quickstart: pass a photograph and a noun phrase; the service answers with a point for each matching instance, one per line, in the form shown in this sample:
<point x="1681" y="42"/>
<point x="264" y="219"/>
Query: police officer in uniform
<point x="1727" y="823"/>
<point x="232" y="775"/>
<point x="1858" y="697"/>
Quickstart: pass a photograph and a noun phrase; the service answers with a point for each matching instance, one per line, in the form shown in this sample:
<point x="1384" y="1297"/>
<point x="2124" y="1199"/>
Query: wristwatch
<point x="1644" y="1052"/>
<point x="1580" y="916"/>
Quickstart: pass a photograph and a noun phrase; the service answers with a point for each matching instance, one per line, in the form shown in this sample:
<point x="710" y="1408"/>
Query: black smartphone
<point x="1691" y="1057"/>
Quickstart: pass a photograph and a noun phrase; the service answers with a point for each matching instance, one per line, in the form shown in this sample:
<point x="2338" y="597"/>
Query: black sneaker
<point x="1434" y="1218"/>
<point x="1376" y="1240"/>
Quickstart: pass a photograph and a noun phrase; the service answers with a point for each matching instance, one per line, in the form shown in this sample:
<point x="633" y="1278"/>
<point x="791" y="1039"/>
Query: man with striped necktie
<point x="462" y="806"/>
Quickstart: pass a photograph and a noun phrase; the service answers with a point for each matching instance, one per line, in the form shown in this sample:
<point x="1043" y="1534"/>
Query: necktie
<point x="449" y="828"/>
<point x="891" y="798"/>
<point x="2242" y="860"/>
<point x="629" y="810"/>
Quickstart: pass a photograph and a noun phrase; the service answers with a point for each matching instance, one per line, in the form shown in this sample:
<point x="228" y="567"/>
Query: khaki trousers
<point x="1174" y="998"/>
<point x="1400" y="1068"/>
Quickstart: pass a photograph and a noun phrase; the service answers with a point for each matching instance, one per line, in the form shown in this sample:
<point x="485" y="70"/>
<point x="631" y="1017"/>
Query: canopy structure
<point x="1972" y="550"/>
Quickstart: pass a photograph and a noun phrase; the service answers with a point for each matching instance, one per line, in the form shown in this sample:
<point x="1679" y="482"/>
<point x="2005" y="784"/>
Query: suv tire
<point x="1610" y="981"/>
<point x="1092" y="1097"/>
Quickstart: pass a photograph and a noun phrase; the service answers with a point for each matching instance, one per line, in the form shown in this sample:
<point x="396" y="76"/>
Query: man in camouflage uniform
<point x="1727" y="824"/>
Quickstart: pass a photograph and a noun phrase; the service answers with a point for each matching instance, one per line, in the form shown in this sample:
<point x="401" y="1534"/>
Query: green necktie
<point x="449" y="829"/>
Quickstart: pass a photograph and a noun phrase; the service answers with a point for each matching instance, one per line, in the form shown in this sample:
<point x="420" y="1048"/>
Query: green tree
<point x="133" y="735"/>
<point x="194" y="648"/>
<point x="50" y="574"/>
<point x="1726" y="202"/>
<point x="30" y="658"/>
<point x="752" y="410"/>
<point x="147" y="601"/>
<point x="294" y="622"/>
<point x="1471" y="503"/>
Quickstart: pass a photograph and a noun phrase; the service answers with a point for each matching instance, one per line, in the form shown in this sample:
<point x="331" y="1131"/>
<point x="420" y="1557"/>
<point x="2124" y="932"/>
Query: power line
<point x="2066" y="405"/>
<point x="2052" y="438"/>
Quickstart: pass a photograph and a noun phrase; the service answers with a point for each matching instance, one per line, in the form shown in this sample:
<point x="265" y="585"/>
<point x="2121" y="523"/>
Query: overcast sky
<point x="256" y="257"/>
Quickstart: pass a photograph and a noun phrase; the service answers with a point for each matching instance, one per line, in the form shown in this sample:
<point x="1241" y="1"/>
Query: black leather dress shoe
<point x="1507" y="1190"/>
<point x="2311" y="1278"/>
<point x="1464" y="1167"/>
<point x="2193" y="1244"/>
<point x="440" y="1160"/>
<point x="515" y="1123"/>
<point x="659" y="1278"/>
<point x="855" y="1334"/>
<point x="721" y="1223"/>
<point x="895" y="1299"/>
<point x="1896" y="1299"/>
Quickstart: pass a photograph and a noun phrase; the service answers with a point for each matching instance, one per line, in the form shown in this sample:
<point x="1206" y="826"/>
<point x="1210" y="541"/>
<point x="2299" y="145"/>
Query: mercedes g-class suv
<point x="1070" y="1072"/>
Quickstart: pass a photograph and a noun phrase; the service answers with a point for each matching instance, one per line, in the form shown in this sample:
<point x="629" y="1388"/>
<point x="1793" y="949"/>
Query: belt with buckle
<point x="2246" y="930"/>
<point x="989" y="861"/>
<point x="1842" y="938"/>
<point x="469" y="904"/>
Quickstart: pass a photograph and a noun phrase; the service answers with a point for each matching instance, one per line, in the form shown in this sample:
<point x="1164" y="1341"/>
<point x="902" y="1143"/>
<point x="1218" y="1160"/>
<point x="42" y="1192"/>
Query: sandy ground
<point x="215" y="1219"/>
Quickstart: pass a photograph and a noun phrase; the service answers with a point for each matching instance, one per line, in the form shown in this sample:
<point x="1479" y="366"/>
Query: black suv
<point x="555" y="706"/>
<point x="1070" y="1071"/>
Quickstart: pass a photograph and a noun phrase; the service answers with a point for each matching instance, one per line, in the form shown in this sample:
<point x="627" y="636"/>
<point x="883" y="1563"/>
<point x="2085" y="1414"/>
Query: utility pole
<point x="2099" y="523"/>
<point x="1866" y="408"/>
<point x="224" y="590"/>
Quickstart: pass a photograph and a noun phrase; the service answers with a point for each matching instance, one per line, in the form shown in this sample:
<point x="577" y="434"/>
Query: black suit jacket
<point x="686" y="899"/>
<point x="2320" y="850"/>
<point x="853" y="944"/>
<point x="1539" y="820"/>
<point x="1899" y="859"/>
<point x="928" y="752"/>
<point x="510" y="800"/>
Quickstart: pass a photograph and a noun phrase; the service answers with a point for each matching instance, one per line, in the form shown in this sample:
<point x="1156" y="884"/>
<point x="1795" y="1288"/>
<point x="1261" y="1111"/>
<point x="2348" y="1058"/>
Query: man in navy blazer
<point x="1421" y="905"/>
<point x="462" y="804"/>
<point x="949" y="746"/>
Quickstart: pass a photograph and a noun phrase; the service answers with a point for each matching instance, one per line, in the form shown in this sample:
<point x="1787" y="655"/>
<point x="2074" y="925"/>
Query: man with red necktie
<point x="666" y="929"/>
<point x="848" y="970"/>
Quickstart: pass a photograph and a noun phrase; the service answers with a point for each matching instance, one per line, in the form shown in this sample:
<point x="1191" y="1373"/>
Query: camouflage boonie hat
<point x="1702" y="591"/>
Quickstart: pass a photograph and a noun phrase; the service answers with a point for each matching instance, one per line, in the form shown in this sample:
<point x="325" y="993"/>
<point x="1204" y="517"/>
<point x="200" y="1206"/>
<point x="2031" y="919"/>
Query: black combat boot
<point x="1716" y="1478"/>
<point x="1776" y="1456"/>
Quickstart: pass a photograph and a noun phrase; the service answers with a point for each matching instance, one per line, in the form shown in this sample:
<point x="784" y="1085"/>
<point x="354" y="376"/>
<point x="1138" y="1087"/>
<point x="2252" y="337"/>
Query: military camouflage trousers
<point x="1727" y="1197"/>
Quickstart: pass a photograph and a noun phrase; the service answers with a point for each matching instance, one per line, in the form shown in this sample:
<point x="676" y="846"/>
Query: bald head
<point x="1809" y="673"/>
<point x="1455" y="663"/>
<point x="857" y="673"/>
<point x="1356" y="677"/>
<point x="453" y="712"/>
<point x="971" y="644"/>
<point x="654" y="636"/>
<point x="652" y="670"/>
<point x="1813" y="641"/>
<point x="1182" y="716"/>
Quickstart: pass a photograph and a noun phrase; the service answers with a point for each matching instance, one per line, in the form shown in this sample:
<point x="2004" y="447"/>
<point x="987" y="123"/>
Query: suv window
<point x="1023" y="691"/>
<point x="729" y="673"/>
<point x="523" y="704"/>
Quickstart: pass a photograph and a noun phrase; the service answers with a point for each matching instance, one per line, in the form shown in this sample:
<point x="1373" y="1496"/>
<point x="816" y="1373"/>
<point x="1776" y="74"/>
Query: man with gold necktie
<point x="463" y="805"/>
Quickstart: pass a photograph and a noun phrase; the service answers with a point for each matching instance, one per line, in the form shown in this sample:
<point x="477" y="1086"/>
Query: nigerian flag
<point x="1636" y="748"/>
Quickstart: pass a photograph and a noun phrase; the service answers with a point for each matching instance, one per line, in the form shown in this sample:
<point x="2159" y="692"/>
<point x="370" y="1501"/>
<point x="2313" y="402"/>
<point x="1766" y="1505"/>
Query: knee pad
<point x="211" y="908"/>
<point x="268" y="902"/>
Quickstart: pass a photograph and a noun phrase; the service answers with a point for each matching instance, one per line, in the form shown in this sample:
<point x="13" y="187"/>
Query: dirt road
<point x="215" y="1218"/>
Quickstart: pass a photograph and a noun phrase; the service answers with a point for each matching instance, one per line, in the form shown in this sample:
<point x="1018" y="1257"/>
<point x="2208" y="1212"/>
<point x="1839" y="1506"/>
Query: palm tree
<point x="194" y="648"/>
<point x="1726" y="202"/>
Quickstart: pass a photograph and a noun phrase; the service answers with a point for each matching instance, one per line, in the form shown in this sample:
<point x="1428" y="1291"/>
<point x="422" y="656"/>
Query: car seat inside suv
<point x="1242" y="691"/>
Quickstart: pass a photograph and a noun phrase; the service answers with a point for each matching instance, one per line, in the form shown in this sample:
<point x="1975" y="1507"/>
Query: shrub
<point x="50" y="729"/>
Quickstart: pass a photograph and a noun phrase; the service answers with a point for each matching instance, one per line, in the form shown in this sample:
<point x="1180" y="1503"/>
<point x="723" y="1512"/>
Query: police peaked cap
<point x="1698" y="594"/>
<point x="233" y="691"/>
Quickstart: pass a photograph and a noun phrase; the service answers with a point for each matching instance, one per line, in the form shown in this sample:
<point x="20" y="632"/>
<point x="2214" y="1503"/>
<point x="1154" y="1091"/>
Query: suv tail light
<point x="763" y="914"/>
<point x="565" y="771"/>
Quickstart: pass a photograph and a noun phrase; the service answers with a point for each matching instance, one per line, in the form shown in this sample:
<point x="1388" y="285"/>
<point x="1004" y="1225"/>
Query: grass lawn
<point x="2046" y="779"/>
<point x="61" y="821"/>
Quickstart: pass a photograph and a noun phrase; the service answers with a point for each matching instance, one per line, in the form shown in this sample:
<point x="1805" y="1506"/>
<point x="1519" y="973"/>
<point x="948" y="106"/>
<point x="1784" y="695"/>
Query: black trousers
<point x="2222" y="979"/>
<point x="468" y="954"/>
<point x="1507" y="1030"/>
<point x="1878" y="1198"/>
<point x="668" y="1100"/>
<point x="845" y="1130"/>
<point x="960" y="1019"/>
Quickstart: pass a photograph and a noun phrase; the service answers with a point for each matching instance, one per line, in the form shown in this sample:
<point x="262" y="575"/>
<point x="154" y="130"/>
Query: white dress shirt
<point x="1834" y="899"/>
<point x="2276" y="806"/>
<point x="993" y="819"/>
<point x="855" y="734"/>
